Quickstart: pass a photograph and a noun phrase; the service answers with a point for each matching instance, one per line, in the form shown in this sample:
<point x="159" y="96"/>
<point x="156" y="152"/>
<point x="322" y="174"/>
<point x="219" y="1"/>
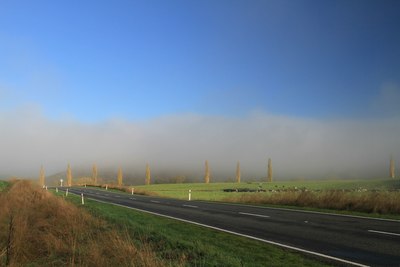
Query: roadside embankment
<point x="39" y="229"/>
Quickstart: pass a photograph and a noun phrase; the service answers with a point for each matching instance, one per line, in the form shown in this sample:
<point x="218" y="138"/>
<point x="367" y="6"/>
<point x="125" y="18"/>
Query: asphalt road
<point x="359" y="240"/>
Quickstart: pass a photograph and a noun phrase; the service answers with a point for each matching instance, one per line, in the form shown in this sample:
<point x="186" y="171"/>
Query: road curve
<point x="350" y="239"/>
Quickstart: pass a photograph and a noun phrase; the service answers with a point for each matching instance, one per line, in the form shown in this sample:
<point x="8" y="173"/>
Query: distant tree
<point x="238" y="172"/>
<point x="269" y="170"/>
<point x="119" y="177"/>
<point x="94" y="174"/>
<point x="177" y="179"/>
<point x="207" y="173"/>
<point x="148" y="174"/>
<point x="391" y="167"/>
<point x="41" y="177"/>
<point x="69" y="175"/>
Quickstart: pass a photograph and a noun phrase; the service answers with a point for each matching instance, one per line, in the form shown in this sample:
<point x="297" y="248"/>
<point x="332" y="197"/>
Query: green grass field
<point x="214" y="191"/>
<point x="193" y="245"/>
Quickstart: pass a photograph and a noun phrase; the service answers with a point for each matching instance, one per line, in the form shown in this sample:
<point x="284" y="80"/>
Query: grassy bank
<point x="39" y="229"/>
<point x="378" y="203"/>
<point x="192" y="245"/>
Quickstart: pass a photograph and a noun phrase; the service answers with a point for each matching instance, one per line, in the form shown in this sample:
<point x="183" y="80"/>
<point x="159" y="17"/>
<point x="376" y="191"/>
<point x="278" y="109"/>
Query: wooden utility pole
<point x="269" y="170"/>
<point x="119" y="177"/>
<point x="207" y="173"/>
<point x="238" y="172"/>
<point x="148" y="174"/>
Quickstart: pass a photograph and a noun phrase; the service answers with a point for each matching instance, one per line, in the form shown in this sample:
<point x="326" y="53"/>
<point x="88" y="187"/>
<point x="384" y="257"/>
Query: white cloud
<point x="181" y="143"/>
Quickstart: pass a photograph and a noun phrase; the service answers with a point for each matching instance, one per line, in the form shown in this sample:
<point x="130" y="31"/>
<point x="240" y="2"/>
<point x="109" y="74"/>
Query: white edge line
<point x="243" y="235"/>
<point x="381" y="232"/>
<point x="155" y="201"/>
<point x="256" y="215"/>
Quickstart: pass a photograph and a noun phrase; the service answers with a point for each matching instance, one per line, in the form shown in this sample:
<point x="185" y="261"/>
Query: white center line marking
<point x="154" y="201"/>
<point x="255" y="215"/>
<point x="190" y="206"/>
<point x="385" y="233"/>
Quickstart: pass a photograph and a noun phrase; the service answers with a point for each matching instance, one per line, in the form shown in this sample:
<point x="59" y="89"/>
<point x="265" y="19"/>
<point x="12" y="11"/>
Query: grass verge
<point x="39" y="229"/>
<point x="193" y="245"/>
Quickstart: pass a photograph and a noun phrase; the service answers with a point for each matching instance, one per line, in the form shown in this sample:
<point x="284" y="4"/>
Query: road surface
<point x="350" y="239"/>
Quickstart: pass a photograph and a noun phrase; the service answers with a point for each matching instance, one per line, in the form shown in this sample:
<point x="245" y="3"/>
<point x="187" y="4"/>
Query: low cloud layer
<point x="179" y="144"/>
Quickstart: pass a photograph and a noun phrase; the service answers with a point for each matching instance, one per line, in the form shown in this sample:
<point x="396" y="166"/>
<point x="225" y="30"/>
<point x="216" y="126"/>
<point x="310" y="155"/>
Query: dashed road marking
<point x="384" y="233"/>
<point x="190" y="206"/>
<point x="255" y="215"/>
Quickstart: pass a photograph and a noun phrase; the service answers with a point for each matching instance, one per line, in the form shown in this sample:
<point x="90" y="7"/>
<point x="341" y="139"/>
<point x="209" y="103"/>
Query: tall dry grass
<point x="40" y="229"/>
<point x="382" y="202"/>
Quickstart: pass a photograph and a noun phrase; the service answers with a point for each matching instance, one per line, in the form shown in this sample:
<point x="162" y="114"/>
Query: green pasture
<point x="214" y="191"/>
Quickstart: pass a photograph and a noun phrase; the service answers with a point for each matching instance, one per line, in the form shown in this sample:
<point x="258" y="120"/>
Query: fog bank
<point x="179" y="144"/>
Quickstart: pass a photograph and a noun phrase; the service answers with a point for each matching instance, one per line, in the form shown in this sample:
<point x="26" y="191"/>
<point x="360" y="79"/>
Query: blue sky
<point x="314" y="85"/>
<point x="135" y="60"/>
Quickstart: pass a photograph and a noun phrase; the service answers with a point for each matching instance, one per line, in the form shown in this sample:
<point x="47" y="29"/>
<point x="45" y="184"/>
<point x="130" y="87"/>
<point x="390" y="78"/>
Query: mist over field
<point x="179" y="144"/>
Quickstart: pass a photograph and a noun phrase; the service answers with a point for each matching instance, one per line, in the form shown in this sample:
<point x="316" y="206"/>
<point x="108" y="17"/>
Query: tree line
<point x="94" y="177"/>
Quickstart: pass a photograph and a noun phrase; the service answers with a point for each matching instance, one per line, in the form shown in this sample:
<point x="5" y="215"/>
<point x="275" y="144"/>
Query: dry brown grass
<point x="40" y="229"/>
<point x="382" y="202"/>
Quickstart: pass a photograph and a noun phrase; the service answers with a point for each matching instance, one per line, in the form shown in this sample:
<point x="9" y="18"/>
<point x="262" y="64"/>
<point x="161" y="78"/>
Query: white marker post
<point x="190" y="194"/>
<point x="61" y="181"/>
<point x="46" y="187"/>
<point x="66" y="193"/>
<point x="133" y="190"/>
<point x="56" y="189"/>
<point x="85" y="185"/>
<point x="83" y="201"/>
<point x="106" y="187"/>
